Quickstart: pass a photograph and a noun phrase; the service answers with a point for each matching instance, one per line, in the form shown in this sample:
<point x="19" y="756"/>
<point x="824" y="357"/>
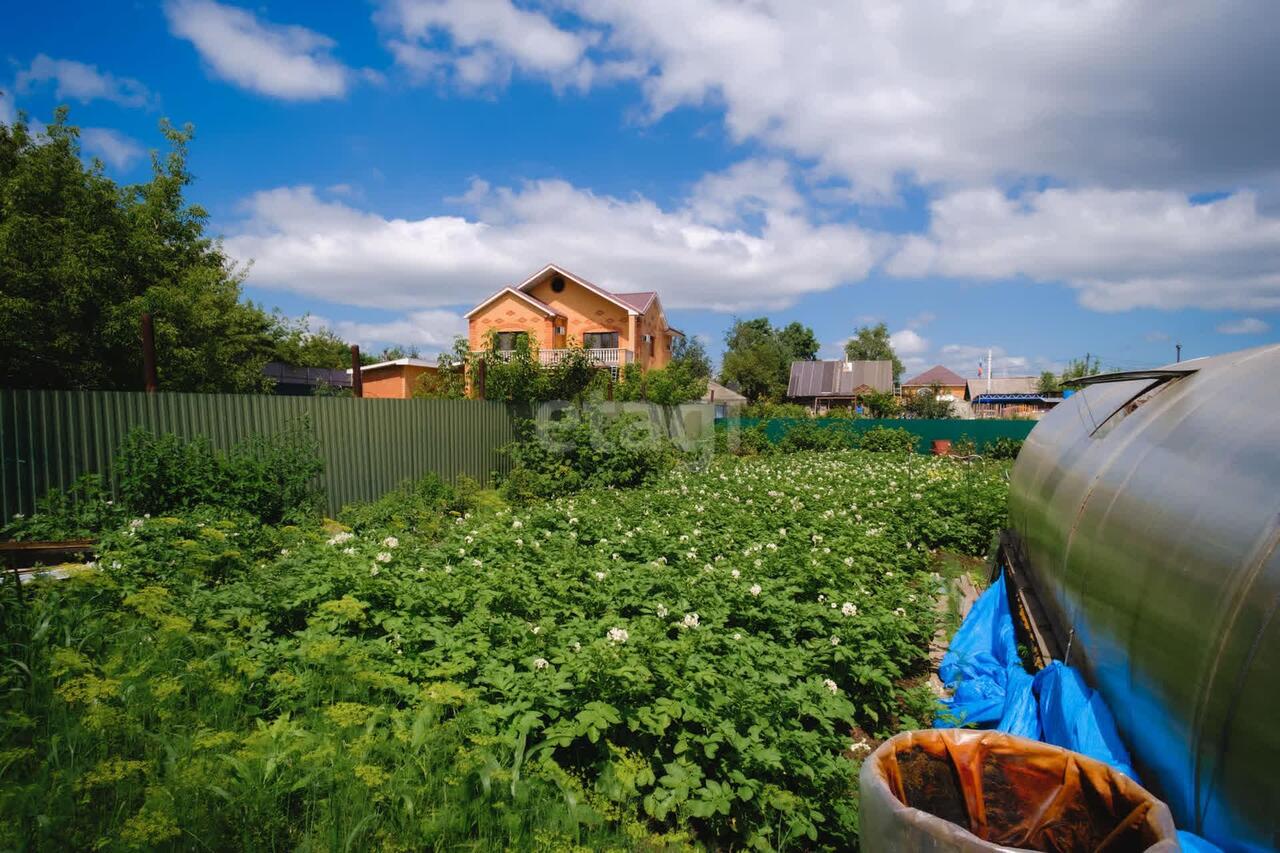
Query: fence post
<point x="357" y="378"/>
<point x="149" y="382"/>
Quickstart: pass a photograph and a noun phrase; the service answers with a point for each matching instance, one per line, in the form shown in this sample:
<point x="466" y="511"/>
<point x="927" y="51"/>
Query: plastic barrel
<point x="961" y="789"/>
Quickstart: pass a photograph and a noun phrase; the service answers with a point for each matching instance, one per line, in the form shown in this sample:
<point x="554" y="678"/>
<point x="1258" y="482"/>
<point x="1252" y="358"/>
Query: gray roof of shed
<point x="1002" y="385"/>
<point x="838" y="378"/>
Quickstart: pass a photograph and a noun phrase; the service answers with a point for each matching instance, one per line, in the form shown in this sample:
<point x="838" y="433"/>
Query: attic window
<point x="557" y="284"/>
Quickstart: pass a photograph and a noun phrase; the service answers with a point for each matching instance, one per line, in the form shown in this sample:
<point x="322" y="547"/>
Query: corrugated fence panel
<point x="980" y="432"/>
<point x="49" y="438"/>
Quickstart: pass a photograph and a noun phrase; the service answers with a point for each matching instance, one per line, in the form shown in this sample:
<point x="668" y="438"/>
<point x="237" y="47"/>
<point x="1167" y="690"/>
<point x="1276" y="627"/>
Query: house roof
<point x="639" y="301"/>
<point x="839" y="378"/>
<point x="936" y="375"/>
<point x="399" y="362"/>
<point x="1002" y="385"/>
<point x="599" y="291"/>
<point x="717" y="393"/>
<point x="520" y="294"/>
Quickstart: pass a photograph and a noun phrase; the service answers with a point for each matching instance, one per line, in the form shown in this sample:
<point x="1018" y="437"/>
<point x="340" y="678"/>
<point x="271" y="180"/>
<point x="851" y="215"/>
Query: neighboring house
<point x="393" y="379"/>
<point x="824" y="385"/>
<point x="951" y="385"/>
<point x="293" y="381"/>
<point x="556" y="309"/>
<point x="725" y="399"/>
<point x="1007" y="397"/>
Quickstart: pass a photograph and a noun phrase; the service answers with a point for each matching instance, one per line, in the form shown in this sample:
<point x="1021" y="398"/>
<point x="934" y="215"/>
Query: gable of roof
<point x="519" y="294"/>
<point x="639" y="301"/>
<point x="532" y="280"/>
<point x="839" y="378"/>
<point x="717" y="393"/>
<point x="936" y="375"/>
<point x="1002" y="385"/>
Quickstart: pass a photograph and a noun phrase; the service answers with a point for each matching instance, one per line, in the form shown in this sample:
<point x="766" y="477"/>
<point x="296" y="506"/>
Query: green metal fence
<point x="49" y="438"/>
<point x="980" y="432"/>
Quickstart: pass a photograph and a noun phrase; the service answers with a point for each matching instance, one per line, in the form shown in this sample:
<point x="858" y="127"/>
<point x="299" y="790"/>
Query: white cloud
<point x="1244" y="326"/>
<point x="329" y="249"/>
<point x="488" y="39"/>
<point x="281" y="61"/>
<point x="1119" y="249"/>
<point x="113" y="147"/>
<point x="921" y="320"/>
<point x="82" y="82"/>
<point x="1143" y="93"/>
<point x="8" y="112"/>
<point x="434" y="330"/>
<point x="908" y="342"/>
<point x="965" y="359"/>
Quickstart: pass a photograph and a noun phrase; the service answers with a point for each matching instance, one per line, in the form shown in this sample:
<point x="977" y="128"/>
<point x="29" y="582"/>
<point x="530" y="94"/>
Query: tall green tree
<point x="690" y="354"/>
<point x="756" y="360"/>
<point x="302" y="346"/>
<point x="1078" y="368"/>
<point x="1048" y="383"/>
<point x="800" y="342"/>
<point x="871" y="343"/>
<point x="82" y="258"/>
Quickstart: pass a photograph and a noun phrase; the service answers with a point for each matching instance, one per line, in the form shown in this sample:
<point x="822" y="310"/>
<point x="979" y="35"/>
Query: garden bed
<point x="681" y="663"/>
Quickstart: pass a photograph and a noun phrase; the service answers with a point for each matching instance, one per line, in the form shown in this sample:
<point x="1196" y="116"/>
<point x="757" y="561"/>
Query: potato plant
<point x="677" y="665"/>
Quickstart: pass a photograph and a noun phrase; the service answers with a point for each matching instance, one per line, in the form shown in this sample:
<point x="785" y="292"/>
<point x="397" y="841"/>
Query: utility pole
<point x="1178" y="347"/>
<point x="357" y="379"/>
<point x="149" y="381"/>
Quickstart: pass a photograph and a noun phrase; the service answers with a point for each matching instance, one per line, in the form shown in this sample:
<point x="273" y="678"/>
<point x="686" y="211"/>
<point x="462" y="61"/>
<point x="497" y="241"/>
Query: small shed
<point x="394" y="380"/>
<point x="726" y="400"/>
<point x="824" y="385"/>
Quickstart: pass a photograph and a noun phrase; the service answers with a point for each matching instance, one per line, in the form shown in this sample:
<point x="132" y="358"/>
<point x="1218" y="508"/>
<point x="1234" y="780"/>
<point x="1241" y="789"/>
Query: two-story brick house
<point x="555" y="308"/>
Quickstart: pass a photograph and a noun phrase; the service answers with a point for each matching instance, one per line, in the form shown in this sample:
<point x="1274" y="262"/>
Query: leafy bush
<point x="1003" y="448"/>
<point x="732" y="438"/>
<point x="269" y="477"/>
<point x="964" y="446"/>
<point x="880" y="439"/>
<point x="585" y="449"/>
<point x="669" y="386"/>
<point x="75" y="513"/>
<point x="810" y="435"/>
<point x="616" y="669"/>
<point x="419" y="506"/>
<point x="272" y="478"/>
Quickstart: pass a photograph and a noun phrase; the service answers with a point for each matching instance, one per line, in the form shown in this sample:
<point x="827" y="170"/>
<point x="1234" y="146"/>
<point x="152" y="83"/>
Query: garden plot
<point x="675" y="664"/>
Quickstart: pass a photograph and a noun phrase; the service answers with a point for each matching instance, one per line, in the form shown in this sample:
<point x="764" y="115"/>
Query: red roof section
<point x="937" y="375"/>
<point x="639" y="301"/>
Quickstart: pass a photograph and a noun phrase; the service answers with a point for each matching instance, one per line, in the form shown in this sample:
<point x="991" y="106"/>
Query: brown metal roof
<point x="838" y="378"/>
<point x="936" y="375"/>
<point x="639" y="301"/>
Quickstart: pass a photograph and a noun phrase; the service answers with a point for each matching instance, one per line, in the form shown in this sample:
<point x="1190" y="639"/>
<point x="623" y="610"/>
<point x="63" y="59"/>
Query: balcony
<point x="613" y="358"/>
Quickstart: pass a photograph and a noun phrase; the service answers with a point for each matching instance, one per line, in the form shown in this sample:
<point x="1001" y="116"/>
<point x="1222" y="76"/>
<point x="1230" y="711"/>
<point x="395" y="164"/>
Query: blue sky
<point x="1042" y="179"/>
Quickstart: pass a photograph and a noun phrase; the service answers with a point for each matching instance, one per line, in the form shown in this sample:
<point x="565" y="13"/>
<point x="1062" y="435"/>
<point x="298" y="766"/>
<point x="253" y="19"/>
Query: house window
<point x="600" y="340"/>
<point x="507" y="340"/>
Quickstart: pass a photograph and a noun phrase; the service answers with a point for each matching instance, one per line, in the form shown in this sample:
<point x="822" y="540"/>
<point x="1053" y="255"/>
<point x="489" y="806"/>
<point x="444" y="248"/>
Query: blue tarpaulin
<point x="991" y="690"/>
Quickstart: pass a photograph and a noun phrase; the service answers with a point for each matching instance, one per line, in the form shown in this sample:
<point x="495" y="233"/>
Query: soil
<point x="931" y="784"/>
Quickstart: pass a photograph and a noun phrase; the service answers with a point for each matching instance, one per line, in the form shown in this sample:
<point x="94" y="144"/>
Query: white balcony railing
<point x="603" y="357"/>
